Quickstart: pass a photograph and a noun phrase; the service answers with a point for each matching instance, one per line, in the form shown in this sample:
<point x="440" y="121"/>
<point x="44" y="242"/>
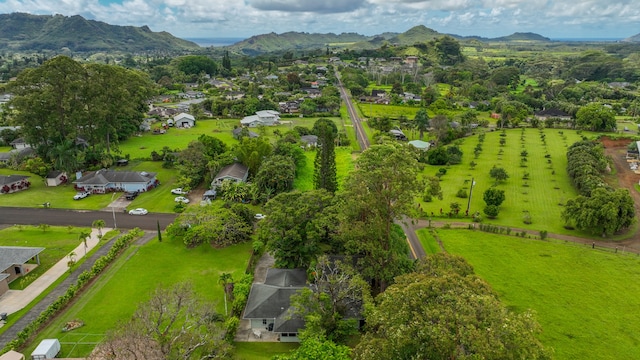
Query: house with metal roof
<point x="261" y="118"/>
<point x="13" y="263"/>
<point x="12" y="183"/>
<point x="269" y="304"/>
<point x="106" y="180"/>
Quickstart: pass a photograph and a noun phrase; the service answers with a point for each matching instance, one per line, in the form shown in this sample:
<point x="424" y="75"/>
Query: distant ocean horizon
<point x="217" y="41"/>
<point x="588" y="39"/>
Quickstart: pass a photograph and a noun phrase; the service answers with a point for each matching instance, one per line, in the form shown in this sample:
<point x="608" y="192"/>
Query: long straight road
<point x="31" y="216"/>
<point x="417" y="251"/>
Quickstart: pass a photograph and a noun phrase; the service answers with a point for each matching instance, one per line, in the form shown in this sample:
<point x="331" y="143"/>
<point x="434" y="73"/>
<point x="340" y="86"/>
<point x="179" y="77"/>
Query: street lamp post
<point x="113" y="211"/>
<point x="470" y="193"/>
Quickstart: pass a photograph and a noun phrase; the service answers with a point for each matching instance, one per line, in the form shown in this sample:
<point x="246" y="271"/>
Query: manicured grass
<point x="59" y="196"/>
<point x="393" y="111"/>
<point x="584" y="298"/>
<point x="261" y="351"/>
<point x="57" y="241"/>
<point x="131" y="279"/>
<point x="541" y="196"/>
<point x="428" y="241"/>
<point x="159" y="199"/>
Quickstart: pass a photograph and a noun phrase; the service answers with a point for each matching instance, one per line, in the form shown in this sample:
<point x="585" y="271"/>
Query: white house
<point x="184" y="120"/>
<point x="261" y="118"/>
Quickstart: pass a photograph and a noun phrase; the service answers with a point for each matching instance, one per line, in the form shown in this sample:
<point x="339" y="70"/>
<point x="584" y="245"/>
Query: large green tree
<point x="380" y="191"/>
<point x="421" y="121"/>
<point x="277" y="173"/>
<point x="443" y="311"/>
<point x="605" y="212"/>
<point x="324" y="167"/>
<point x="596" y="117"/>
<point x="296" y="226"/>
<point x="252" y="152"/>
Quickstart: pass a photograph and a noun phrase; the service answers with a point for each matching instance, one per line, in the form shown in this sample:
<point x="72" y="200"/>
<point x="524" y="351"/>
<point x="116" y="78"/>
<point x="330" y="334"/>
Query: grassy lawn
<point x="428" y="241"/>
<point x="261" y="351"/>
<point x="159" y="199"/>
<point x="548" y="185"/>
<point x="130" y="280"/>
<point x="392" y="111"/>
<point x="57" y="241"/>
<point x="584" y="298"/>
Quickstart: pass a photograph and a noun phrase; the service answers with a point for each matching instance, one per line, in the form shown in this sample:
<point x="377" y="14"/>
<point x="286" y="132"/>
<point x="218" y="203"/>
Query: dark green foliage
<point x="596" y="117"/>
<point x="493" y="196"/>
<point x="438" y="156"/>
<point x="455" y="155"/>
<point x="498" y="173"/>
<point x="324" y="167"/>
<point x="491" y="211"/>
<point x="196" y="64"/>
<point x="277" y="173"/>
<point x="462" y="193"/>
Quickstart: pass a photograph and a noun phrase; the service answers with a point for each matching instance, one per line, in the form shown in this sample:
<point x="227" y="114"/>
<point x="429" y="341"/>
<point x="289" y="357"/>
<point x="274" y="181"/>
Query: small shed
<point x="56" y="177"/>
<point x="420" y="145"/>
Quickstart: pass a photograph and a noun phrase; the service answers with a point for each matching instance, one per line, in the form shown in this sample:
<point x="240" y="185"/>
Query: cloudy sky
<point x="243" y="18"/>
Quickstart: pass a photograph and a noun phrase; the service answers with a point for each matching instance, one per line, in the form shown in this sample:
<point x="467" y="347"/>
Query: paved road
<point x="31" y="216"/>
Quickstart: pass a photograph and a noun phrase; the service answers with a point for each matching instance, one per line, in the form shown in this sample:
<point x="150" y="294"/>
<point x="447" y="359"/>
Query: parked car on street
<point x="179" y="191"/>
<point x="138" y="211"/>
<point x="81" y="195"/>
<point x="181" y="199"/>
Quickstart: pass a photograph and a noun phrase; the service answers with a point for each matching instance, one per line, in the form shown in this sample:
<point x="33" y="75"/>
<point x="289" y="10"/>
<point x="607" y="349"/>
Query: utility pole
<point x="470" y="193"/>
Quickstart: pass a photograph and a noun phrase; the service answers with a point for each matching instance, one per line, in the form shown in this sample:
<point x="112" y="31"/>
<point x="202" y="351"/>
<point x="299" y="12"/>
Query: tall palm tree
<point x="226" y="280"/>
<point x="99" y="224"/>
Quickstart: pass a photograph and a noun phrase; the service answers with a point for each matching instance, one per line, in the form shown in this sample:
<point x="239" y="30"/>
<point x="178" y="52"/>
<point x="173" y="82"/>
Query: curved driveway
<point x="31" y="216"/>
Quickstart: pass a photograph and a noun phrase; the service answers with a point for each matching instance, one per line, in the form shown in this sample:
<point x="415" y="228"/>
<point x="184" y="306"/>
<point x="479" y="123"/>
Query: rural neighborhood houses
<point x="261" y="118"/>
<point x="105" y="180"/>
<point x="184" y="120"/>
<point x="13" y="263"/>
<point x="235" y="172"/>
<point x="56" y="177"/>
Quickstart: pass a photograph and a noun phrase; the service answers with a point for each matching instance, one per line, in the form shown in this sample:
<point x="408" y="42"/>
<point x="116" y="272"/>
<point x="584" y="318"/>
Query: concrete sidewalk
<point x="15" y="300"/>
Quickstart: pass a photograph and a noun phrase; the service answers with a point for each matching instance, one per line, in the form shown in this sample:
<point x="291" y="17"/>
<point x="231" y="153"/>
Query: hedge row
<point x="83" y="279"/>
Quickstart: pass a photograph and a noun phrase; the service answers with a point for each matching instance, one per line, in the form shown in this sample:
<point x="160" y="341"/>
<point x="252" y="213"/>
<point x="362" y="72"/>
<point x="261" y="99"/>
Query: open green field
<point x="428" y="241"/>
<point x="131" y="279"/>
<point x="541" y="196"/>
<point x="140" y="147"/>
<point x="57" y="241"/>
<point x="392" y="111"/>
<point x="585" y="299"/>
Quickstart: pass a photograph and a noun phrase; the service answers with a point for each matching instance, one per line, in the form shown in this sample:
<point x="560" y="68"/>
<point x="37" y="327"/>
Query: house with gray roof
<point x="261" y="118"/>
<point x="106" y="180"/>
<point x="13" y="260"/>
<point x="269" y="304"/>
<point x="309" y="140"/>
<point x="235" y="172"/>
<point x="12" y="183"/>
<point x="239" y="132"/>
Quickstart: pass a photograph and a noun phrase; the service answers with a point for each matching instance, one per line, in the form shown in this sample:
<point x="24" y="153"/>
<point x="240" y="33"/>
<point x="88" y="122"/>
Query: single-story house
<point x="261" y="118"/>
<point x="106" y="180"/>
<point x="184" y="120"/>
<point x="210" y="194"/>
<point x="13" y="183"/>
<point x="309" y="140"/>
<point x="398" y="134"/>
<point x="420" y="145"/>
<point x="56" y="177"/>
<point x="269" y="304"/>
<point x="12" y="355"/>
<point x="238" y="133"/>
<point x="235" y="172"/>
<point x="19" y="143"/>
<point x="12" y="263"/>
<point x="552" y="114"/>
<point x="16" y="154"/>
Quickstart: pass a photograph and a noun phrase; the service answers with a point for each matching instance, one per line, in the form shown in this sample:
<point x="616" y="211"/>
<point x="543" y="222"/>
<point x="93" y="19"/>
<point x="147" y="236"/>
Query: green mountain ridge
<point x="21" y="31"/>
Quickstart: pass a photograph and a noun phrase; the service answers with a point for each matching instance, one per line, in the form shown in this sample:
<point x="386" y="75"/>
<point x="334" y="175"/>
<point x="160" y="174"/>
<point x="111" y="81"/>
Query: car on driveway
<point x="179" y="191"/>
<point x="81" y="195"/>
<point x="260" y="216"/>
<point x="138" y="211"/>
<point x="131" y="195"/>
<point x="181" y="199"/>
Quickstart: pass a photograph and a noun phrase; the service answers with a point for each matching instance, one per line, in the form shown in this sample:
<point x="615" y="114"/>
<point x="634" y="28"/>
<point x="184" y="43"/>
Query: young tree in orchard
<point x="498" y="174"/>
<point x="493" y="196"/>
<point x="296" y="226"/>
<point x="443" y="311"/>
<point x="605" y="212"/>
<point x="324" y="167"/>
<point x="380" y="191"/>
<point x="173" y="324"/>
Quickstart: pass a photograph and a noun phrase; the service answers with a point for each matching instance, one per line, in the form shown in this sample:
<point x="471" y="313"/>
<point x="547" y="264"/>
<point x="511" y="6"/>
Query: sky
<point x="556" y="19"/>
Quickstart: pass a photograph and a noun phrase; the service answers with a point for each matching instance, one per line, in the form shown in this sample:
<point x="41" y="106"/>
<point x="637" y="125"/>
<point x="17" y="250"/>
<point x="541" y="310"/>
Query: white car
<point x="138" y="211"/>
<point x="181" y="199"/>
<point x="260" y="216"/>
<point x="81" y="195"/>
<point x="179" y="191"/>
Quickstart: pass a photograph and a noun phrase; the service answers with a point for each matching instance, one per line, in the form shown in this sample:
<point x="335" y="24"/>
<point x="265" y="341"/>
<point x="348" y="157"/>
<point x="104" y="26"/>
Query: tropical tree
<point x="605" y="212"/>
<point x="99" y="224"/>
<point x="277" y="172"/>
<point x="324" y="166"/>
<point x="380" y="191"/>
<point x="252" y="152"/>
<point x="421" y="121"/>
<point x="498" y="174"/>
<point x="493" y="196"/>
<point x="226" y="280"/>
<point x="596" y="117"/>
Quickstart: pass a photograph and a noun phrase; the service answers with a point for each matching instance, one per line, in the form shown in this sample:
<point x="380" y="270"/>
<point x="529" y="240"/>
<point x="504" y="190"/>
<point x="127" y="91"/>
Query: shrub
<point x="462" y="193"/>
<point x="543" y="234"/>
<point x="491" y="211"/>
